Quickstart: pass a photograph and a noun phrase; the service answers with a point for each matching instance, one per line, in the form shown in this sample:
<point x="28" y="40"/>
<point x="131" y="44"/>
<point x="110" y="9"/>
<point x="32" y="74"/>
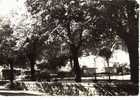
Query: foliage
<point x="71" y="21"/>
<point x="82" y="25"/>
<point x="7" y="45"/>
<point x="76" y="23"/>
<point x="16" y="86"/>
<point x="9" y="51"/>
<point x="106" y="53"/>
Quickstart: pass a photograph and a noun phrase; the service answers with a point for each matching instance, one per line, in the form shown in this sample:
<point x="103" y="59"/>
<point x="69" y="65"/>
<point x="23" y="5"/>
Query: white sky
<point x="12" y="10"/>
<point x="8" y="6"/>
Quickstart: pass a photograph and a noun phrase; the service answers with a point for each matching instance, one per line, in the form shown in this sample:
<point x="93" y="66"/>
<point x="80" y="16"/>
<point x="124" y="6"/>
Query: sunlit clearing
<point x="92" y="61"/>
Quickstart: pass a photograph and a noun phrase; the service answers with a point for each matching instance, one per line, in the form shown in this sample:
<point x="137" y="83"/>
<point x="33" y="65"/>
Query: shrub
<point x="16" y="86"/>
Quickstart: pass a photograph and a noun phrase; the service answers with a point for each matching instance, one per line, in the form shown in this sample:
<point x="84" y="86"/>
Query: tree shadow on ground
<point x="116" y="88"/>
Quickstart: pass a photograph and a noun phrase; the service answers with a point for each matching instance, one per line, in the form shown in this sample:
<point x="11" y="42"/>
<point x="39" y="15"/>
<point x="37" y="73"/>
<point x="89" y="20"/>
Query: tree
<point x="65" y="18"/>
<point x="8" y="49"/>
<point x="74" y="22"/>
<point x="106" y="53"/>
<point x="33" y="41"/>
<point x="33" y="48"/>
<point x="30" y="41"/>
<point x="123" y="19"/>
<point x="53" y="55"/>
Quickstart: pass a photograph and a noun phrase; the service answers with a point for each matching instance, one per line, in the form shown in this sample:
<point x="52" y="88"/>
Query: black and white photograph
<point x="69" y="48"/>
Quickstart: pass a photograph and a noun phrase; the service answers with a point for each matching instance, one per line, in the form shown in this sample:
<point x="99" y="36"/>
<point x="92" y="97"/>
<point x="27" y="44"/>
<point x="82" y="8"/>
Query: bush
<point x="16" y="86"/>
<point x="42" y="76"/>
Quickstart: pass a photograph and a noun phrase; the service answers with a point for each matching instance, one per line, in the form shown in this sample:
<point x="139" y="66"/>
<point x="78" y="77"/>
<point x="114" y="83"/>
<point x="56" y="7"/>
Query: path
<point x="6" y="92"/>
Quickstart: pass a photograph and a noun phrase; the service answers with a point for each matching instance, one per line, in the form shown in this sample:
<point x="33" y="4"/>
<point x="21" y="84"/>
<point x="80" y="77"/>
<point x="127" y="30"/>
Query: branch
<point x="63" y="37"/>
<point x="113" y="45"/>
<point x="81" y="40"/>
<point x="60" y="33"/>
<point x="55" y="29"/>
<point x="90" y="19"/>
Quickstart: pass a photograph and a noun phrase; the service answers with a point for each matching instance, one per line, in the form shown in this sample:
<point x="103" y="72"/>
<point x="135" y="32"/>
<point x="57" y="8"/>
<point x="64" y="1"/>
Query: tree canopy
<point x="78" y="22"/>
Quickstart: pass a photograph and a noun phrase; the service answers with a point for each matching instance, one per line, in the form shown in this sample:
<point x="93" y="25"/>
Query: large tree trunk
<point x="11" y="75"/>
<point x="107" y="60"/>
<point x="134" y="66"/>
<point x="134" y="63"/>
<point x="132" y="45"/>
<point x="77" y="69"/>
<point x="76" y="66"/>
<point x="72" y="67"/>
<point x="32" y="70"/>
<point x="71" y="62"/>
